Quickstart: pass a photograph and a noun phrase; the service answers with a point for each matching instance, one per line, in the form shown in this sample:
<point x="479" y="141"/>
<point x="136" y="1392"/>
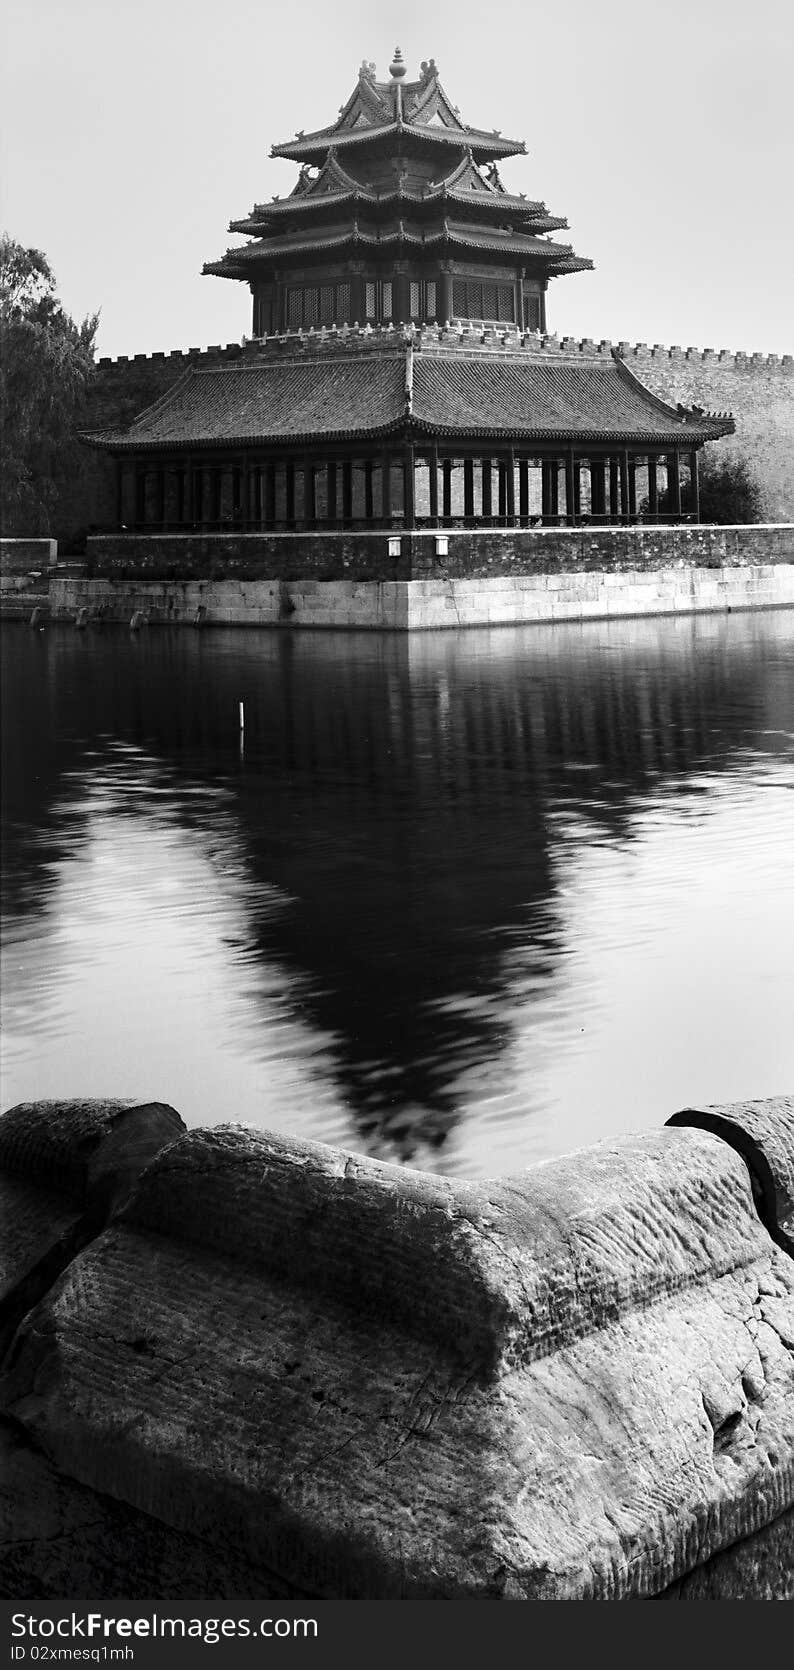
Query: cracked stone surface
<point x="573" y="1383"/>
<point x="59" y="1538"/>
<point x="63" y="1165"/>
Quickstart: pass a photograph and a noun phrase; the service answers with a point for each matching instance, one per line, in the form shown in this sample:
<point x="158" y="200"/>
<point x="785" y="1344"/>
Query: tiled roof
<point x="376" y="109"/>
<point x="272" y="400"/>
<point x="346" y="394"/>
<point x="542" y="398"/>
<point x="406" y="230"/>
<point x="315" y="145"/>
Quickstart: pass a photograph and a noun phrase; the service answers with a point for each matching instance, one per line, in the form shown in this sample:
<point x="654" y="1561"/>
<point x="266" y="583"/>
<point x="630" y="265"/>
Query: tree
<point x="729" y="493"/>
<point x="46" y="365"/>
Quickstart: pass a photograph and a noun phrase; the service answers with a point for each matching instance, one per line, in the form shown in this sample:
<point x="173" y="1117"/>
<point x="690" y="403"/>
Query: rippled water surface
<point x="464" y="900"/>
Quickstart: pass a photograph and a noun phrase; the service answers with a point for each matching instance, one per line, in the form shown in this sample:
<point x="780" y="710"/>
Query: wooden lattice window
<point x="423" y="299"/>
<point x="476" y="299"/>
<point x="532" y="310"/>
<point x="378" y="303"/>
<point x="263" y="313"/>
<point x="312" y="305"/>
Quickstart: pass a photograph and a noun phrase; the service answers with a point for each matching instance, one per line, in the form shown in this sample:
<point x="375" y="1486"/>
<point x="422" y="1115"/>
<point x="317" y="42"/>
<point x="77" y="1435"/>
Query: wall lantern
<point x="394" y="547"/>
<point x="442" y="545"/>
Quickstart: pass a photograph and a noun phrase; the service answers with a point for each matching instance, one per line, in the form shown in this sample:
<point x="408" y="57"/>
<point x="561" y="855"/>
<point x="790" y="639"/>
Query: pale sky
<point x="133" y="133"/>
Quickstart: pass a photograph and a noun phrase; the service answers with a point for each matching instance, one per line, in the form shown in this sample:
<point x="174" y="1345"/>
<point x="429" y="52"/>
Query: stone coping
<point x="572" y="1383"/>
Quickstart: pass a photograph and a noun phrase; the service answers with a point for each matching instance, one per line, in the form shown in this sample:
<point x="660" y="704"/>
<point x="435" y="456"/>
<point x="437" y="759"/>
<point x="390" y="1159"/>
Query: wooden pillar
<point x="270" y="495"/>
<point x="434" y="483"/>
<point x="446" y="472"/>
<point x="510" y="483"/>
<point x="369" y="500"/>
<point x="385" y="467"/>
<point x="653" y="490"/>
<point x="614" y="500"/>
<point x="487" y="511"/>
<point x="570" y="489"/>
<point x="468" y="489"/>
<point x="444" y="297"/>
<point x="694" y="486"/>
<point x="217" y="493"/>
<point x="624" y="485"/>
<point x="401" y="298"/>
<point x="357" y="299"/>
<point x="674" y="484"/>
<point x="347" y="490"/>
<point x="309" y="495"/>
<point x="409" y="494"/>
<point x="547" y="466"/>
<point x="598" y="489"/>
<point x="501" y="481"/>
<point x="632" y="489"/>
<point x="332" y="493"/>
<point x="523" y="489"/>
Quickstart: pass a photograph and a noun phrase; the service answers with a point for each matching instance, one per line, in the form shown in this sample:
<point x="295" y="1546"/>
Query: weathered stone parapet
<point x="761" y="1132"/>
<point x="19" y="556"/>
<point x="573" y="1383"/>
<point x="64" y="1165"/>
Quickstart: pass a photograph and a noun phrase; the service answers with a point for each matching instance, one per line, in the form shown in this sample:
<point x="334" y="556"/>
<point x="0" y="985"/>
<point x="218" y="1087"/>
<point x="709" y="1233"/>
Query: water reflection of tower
<point x="403" y="793"/>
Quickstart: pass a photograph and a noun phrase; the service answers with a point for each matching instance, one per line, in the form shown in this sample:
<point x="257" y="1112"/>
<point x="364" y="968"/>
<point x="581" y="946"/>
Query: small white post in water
<point x="242" y="716"/>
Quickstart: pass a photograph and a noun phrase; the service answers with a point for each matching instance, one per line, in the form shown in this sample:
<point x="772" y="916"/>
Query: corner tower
<point x="398" y="214"/>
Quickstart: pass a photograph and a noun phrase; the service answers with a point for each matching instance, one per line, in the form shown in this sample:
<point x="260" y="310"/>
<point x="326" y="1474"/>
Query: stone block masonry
<point x="368" y="1382"/>
<point x="499" y="576"/>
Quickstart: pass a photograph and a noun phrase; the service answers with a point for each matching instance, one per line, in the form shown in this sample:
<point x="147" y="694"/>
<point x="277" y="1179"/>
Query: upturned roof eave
<point x="525" y="247"/>
<point x="123" y="441"/>
<point x="316" y="145"/>
<point x="307" y="207"/>
<point x="686" y="434"/>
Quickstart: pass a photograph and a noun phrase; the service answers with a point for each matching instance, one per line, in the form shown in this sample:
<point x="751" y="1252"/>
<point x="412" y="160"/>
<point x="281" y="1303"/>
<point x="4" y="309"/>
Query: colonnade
<point x="413" y="486"/>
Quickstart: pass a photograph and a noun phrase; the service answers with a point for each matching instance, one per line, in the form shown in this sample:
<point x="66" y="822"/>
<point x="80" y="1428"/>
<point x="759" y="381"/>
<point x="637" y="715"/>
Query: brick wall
<point x="471" y="554"/>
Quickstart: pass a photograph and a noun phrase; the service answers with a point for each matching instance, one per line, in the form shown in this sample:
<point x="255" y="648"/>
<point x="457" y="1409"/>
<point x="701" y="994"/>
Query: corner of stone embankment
<point x="236" y="1364"/>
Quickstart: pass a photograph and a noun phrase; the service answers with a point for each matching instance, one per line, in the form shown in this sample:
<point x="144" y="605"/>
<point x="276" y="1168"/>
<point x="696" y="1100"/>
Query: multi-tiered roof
<point x="400" y="180"/>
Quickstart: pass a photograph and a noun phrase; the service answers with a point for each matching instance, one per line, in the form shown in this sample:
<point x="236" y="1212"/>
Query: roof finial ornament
<point x="397" y="67"/>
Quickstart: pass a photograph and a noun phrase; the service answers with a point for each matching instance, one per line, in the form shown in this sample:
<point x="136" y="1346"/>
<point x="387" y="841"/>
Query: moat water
<point x="463" y="899"/>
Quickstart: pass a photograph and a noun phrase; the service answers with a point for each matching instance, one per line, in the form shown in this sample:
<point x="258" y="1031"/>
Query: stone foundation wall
<point x="470" y="553"/>
<point x="416" y="605"/>
<point x="493" y="576"/>
<point x="232" y="1359"/>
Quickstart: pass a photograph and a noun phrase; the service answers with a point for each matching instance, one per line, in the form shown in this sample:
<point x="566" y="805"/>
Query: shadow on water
<point x="394" y="831"/>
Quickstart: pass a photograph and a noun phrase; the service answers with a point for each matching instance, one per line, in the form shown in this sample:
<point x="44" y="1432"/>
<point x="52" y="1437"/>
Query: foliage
<point x="729" y="493"/>
<point x="46" y="365"/>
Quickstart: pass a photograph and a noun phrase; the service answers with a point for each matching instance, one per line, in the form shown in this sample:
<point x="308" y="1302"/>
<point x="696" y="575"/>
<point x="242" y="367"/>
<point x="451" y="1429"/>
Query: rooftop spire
<point x="397" y="66"/>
